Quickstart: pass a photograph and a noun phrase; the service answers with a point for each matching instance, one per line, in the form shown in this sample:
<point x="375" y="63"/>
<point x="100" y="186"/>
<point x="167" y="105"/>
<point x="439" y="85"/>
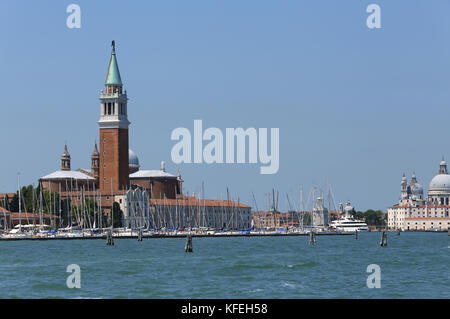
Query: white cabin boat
<point x="348" y="223"/>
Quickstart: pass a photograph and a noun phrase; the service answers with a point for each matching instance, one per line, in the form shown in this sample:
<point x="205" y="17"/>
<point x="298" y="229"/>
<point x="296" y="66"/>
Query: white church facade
<point x="415" y="212"/>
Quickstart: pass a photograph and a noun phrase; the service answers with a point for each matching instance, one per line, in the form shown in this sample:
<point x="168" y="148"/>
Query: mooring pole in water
<point x="312" y="238"/>
<point x="188" y="247"/>
<point x="356" y="234"/>
<point x="383" y="242"/>
<point x="109" y="238"/>
<point x="398" y="232"/>
<point x="140" y="235"/>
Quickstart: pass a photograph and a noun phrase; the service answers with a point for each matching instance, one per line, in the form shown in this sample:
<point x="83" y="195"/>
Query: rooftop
<point x="192" y="201"/>
<point x="151" y="173"/>
<point x="68" y="175"/>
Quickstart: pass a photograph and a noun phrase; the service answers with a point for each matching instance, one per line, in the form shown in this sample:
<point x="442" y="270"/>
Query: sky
<point x="357" y="107"/>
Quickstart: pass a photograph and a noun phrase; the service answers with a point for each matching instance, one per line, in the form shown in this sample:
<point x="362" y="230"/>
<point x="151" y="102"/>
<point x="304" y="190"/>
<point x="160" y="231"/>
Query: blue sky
<point x="356" y="106"/>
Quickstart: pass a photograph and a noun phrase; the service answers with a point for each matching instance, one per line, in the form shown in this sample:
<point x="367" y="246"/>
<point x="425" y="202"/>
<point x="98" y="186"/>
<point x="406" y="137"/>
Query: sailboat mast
<point x="112" y="206"/>
<point x="20" y="205"/>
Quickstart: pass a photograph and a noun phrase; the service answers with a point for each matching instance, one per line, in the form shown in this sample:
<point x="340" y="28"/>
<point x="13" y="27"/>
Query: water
<point x="413" y="265"/>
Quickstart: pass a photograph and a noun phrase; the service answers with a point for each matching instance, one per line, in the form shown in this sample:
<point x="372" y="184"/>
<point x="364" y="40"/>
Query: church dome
<point x="440" y="184"/>
<point x="417" y="189"/>
<point x="133" y="161"/>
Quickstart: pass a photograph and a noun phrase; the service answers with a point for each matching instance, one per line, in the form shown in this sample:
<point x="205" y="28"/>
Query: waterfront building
<point x="320" y="213"/>
<point x="116" y="175"/>
<point x="415" y="212"/>
<point x="25" y="218"/>
<point x="114" y="168"/>
<point x="5" y="218"/>
<point x="273" y="219"/>
<point x="141" y="211"/>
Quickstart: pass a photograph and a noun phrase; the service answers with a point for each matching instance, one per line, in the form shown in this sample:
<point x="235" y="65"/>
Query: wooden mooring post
<point x="188" y="247"/>
<point x="312" y="238"/>
<point x="383" y="242"/>
<point x="109" y="238"/>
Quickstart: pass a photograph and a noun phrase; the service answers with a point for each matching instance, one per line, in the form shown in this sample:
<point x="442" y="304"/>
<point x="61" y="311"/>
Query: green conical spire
<point x="113" y="76"/>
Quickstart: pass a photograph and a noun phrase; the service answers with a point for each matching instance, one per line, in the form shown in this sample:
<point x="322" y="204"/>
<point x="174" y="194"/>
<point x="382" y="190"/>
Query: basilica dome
<point x="440" y="184"/>
<point x="417" y="189"/>
<point x="133" y="161"/>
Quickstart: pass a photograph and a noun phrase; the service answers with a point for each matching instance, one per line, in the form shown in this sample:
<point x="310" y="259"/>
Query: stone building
<point x="116" y="175"/>
<point x="141" y="211"/>
<point x="415" y="212"/>
<point x="115" y="168"/>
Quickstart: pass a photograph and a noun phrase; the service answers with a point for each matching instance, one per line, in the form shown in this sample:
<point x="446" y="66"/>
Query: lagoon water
<point x="413" y="265"/>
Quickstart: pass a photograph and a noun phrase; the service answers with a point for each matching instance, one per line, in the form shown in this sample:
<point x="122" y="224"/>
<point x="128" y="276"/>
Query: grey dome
<point x="440" y="184"/>
<point x="133" y="160"/>
<point x="417" y="189"/>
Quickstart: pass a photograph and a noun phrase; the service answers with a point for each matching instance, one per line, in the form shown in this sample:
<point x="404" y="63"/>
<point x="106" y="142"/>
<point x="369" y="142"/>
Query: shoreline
<point x="103" y="237"/>
<point x="158" y="236"/>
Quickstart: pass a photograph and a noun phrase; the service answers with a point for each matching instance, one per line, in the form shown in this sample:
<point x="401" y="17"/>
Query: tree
<point x="14" y="205"/>
<point x="372" y="217"/>
<point x="307" y="219"/>
<point x="117" y="215"/>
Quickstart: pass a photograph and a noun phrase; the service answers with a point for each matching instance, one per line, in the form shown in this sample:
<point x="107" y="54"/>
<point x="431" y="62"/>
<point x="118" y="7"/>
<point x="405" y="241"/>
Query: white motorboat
<point x="348" y="223"/>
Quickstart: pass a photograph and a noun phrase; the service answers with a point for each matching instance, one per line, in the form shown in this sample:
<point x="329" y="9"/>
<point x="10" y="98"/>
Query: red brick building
<point x="115" y="168"/>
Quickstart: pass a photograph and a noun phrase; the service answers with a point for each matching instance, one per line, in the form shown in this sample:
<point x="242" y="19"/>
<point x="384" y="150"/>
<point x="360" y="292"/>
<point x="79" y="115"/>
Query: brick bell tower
<point x="113" y="131"/>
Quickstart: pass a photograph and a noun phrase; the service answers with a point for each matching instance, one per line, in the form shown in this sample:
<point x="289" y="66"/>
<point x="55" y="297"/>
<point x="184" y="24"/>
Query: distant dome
<point x="348" y="207"/>
<point x="440" y="184"/>
<point x="133" y="161"/>
<point x="417" y="189"/>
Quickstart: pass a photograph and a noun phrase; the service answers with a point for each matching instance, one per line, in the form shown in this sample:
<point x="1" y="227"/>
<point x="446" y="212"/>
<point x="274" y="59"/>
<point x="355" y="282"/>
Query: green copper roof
<point x="113" y="76"/>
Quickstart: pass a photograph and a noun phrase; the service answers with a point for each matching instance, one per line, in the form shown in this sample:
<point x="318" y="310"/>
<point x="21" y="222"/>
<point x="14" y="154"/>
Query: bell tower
<point x="95" y="158"/>
<point x="65" y="159"/>
<point x="113" y="125"/>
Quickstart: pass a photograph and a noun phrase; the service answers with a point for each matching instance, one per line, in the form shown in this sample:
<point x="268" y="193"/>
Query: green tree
<point x="307" y="219"/>
<point x="117" y="215"/>
<point x="372" y="217"/>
